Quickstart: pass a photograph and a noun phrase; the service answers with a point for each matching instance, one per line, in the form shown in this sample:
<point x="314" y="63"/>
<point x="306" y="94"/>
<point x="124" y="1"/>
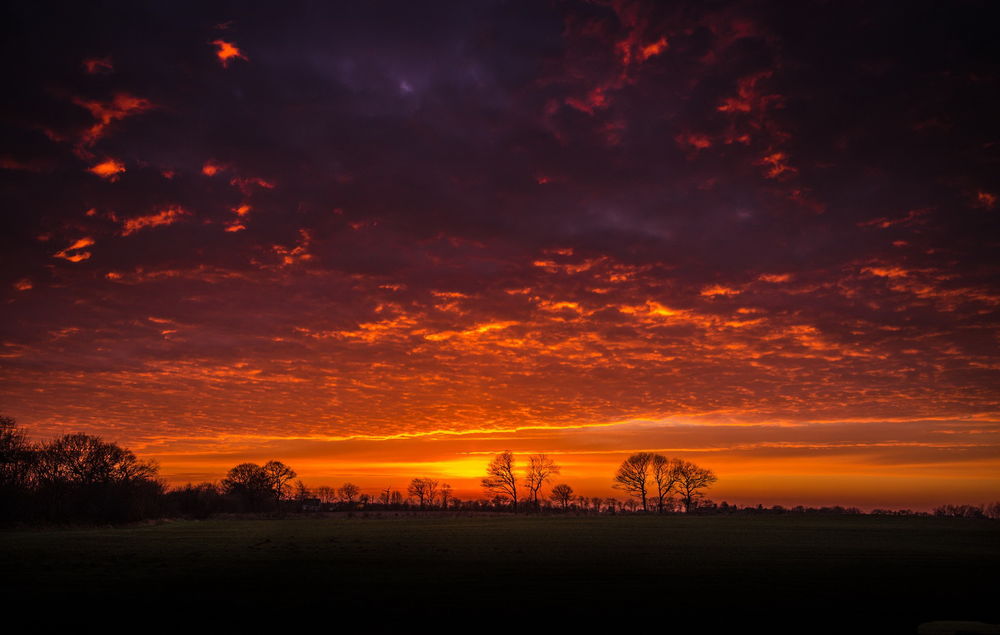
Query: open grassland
<point x="890" y="572"/>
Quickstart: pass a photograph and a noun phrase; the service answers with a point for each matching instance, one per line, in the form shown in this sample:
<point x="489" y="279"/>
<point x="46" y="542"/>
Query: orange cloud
<point x="109" y="169"/>
<point x="121" y="106"/>
<point x="228" y="51"/>
<point x="887" y="272"/>
<point x="211" y="168"/>
<point x="775" y="277"/>
<point x="23" y="284"/>
<point x="297" y="254"/>
<point x="777" y="165"/>
<point x="717" y="290"/>
<point x="76" y="247"/>
<point x="168" y="216"/>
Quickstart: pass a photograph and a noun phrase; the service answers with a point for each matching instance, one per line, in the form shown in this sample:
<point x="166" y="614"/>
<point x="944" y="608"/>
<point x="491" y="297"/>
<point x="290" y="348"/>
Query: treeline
<point x="76" y="477"/>
<point x="81" y="478"/>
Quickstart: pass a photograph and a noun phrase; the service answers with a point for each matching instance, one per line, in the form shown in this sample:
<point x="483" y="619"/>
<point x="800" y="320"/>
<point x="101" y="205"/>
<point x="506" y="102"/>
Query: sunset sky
<point x="379" y="240"/>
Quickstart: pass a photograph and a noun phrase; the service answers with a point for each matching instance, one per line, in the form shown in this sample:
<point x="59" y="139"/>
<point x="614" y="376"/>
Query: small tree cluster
<point x="645" y="474"/>
<point x="259" y="486"/>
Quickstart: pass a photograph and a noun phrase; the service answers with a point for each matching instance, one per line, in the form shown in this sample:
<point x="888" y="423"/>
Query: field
<point x="793" y="573"/>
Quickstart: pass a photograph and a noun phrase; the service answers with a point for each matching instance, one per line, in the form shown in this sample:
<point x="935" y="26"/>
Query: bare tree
<point x="445" y="493"/>
<point x="561" y="494"/>
<point x="301" y="492"/>
<point x="279" y="477"/>
<point x="665" y="475"/>
<point x="540" y="469"/>
<point x="326" y="494"/>
<point x="83" y="459"/>
<point x="348" y="492"/>
<point x="690" y="479"/>
<point x="16" y="457"/>
<point x="501" y="479"/>
<point x="423" y="489"/>
<point x="633" y="476"/>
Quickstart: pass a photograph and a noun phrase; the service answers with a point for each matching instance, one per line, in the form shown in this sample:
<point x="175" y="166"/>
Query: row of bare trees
<point x="643" y="476"/>
<point x="503" y="482"/>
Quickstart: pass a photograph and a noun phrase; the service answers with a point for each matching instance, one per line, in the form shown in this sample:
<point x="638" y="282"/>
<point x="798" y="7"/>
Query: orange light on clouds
<point x="655" y="48"/>
<point x="227" y="51"/>
<point x="110" y="169"/>
<point x="121" y="106"/>
<point x="167" y="216"/>
<point x="75" y="253"/>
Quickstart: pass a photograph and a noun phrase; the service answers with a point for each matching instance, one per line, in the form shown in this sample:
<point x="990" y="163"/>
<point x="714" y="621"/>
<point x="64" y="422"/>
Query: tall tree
<point x="633" y="476"/>
<point x="691" y="479"/>
<point x="500" y="477"/>
<point x="279" y="477"/>
<point x="665" y="475"/>
<point x="540" y="469"/>
<point x="16" y="457"/>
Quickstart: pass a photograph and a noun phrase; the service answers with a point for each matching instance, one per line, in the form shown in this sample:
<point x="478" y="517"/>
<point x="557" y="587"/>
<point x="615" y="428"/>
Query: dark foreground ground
<point x="677" y="574"/>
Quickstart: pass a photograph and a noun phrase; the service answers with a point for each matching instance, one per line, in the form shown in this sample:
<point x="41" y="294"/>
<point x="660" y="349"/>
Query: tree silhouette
<point x="562" y="493"/>
<point x="445" y="493"/>
<point x="633" y="476"/>
<point x="348" y="492"/>
<point x="424" y="489"/>
<point x="81" y="476"/>
<point x="540" y="469"/>
<point x="279" y="477"/>
<point x="249" y="482"/>
<point x="665" y="475"/>
<point x="17" y="458"/>
<point x="690" y="479"/>
<point x="326" y="494"/>
<point x="83" y="460"/>
<point x="501" y="479"/>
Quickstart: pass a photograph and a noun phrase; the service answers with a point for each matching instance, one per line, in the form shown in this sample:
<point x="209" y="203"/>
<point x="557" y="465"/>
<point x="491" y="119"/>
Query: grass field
<point x="886" y="574"/>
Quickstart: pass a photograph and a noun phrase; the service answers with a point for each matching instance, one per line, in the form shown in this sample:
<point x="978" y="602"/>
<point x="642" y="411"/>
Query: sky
<point x="384" y="240"/>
